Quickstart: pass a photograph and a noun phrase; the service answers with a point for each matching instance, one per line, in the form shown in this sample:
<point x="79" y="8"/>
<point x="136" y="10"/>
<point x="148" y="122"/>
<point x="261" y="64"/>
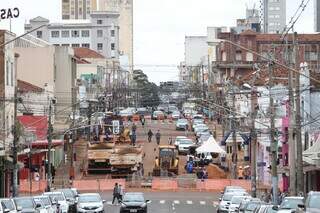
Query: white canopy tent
<point x="211" y="146"/>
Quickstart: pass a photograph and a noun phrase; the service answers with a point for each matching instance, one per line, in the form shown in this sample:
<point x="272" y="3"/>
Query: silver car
<point x="51" y="207"/>
<point x="90" y="202"/>
<point x="8" y="205"/>
<point x="27" y="204"/>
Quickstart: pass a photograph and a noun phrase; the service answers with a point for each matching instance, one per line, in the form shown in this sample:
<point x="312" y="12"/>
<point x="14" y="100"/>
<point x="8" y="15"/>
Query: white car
<point x="40" y="205"/>
<point x="290" y="204"/>
<point x="178" y="139"/>
<point x="196" y="122"/>
<point x="26" y="205"/>
<point x="226" y="200"/>
<point x="197" y="116"/>
<point x="60" y="199"/>
<point x="90" y="202"/>
<point x="235" y="203"/>
<point x="198" y="126"/>
<point x="8" y="205"/>
<point x="184" y="145"/>
<point x="176" y="115"/>
<point x="202" y="131"/>
<point x="51" y="207"/>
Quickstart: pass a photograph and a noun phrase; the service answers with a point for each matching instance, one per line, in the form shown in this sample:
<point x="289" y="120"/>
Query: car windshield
<point x="89" y="198"/>
<point x="251" y="206"/>
<point x="182" y="121"/>
<point x="133" y="198"/>
<point x="186" y="142"/>
<point x="25" y="203"/>
<point x="56" y="197"/>
<point x="68" y="193"/>
<point x="237" y="199"/>
<point x="290" y="203"/>
<point x="7" y="204"/>
<point x="198" y="121"/>
<point x="227" y="197"/>
<point x="45" y="201"/>
<point x="38" y="201"/>
<point x="313" y="201"/>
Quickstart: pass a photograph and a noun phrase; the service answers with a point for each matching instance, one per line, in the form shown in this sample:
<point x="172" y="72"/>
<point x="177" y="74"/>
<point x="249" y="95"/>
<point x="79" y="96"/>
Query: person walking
<point x="158" y="136"/>
<point x="121" y="193"/>
<point x="142" y="120"/>
<point x="116" y="193"/>
<point x="170" y="141"/>
<point x="150" y="134"/>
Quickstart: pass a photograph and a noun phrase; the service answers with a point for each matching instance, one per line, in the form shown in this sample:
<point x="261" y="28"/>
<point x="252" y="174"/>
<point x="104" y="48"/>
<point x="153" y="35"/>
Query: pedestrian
<point x="142" y="120"/>
<point x="121" y="193"/>
<point x="170" y="141"/>
<point x="158" y="136"/>
<point x="134" y="127"/>
<point x="150" y="134"/>
<point x="240" y="173"/>
<point x="115" y="193"/>
<point x="133" y="138"/>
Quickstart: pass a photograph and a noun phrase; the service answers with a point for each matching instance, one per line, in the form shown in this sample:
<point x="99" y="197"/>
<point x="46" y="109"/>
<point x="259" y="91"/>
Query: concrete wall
<point x="36" y="65"/>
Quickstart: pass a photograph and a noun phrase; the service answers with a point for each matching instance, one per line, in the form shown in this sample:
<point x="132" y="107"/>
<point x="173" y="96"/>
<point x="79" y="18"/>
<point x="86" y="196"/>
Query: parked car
<point x="289" y="204"/>
<point x="60" y="199"/>
<point x="229" y="189"/>
<point x="199" y="126"/>
<point x="312" y="204"/>
<point x="235" y="203"/>
<point x="134" y="202"/>
<point x="90" y="202"/>
<point x="8" y="205"/>
<point x="184" y="145"/>
<point x="197" y="116"/>
<point x="250" y="206"/>
<point x="178" y="139"/>
<point x="26" y="204"/>
<point x="261" y="208"/>
<point x="197" y="121"/>
<point x="182" y="124"/>
<point x="226" y="199"/>
<point x="176" y="115"/>
<point x="42" y="208"/>
<point x="158" y="115"/>
<point x="51" y="207"/>
<point x="70" y="197"/>
<point x="142" y="111"/>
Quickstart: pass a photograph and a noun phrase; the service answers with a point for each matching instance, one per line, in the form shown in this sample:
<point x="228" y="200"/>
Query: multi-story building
<point x="317" y="15"/>
<point x="81" y="9"/>
<point x="252" y="21"/>
<point x="274" y="16"/>
<point x="77" y="9"/>
<point x="100" y="32"/>
<point x="8" y="61"/>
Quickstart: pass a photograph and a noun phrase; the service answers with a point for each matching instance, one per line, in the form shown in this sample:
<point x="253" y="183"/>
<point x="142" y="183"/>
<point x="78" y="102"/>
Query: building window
<point x="99" y="33"/>
<point x="249" y="56"/>
<point x="75" y="45"/>
<point x="65" y="45"/>
<point x="55" y="34"/>
<point x="310" y="56"/>
<point x="86" y="45"/>
<point x="238" y="56"/>
<point x="75" y="33"/>
<point x="112" y="33"/>
<point x="7" y="73"/>
<point x="85" y="33"/>
<point x="39" y="34"/>
<point x="57" y="45"/>
<point x="99" y="21"/>
<point x="80" y="10"/>
<point x="113" y="46"/>
<point x="99" y="46"/>
<point x="65" y="33"/>
<point x="12" y="73"/>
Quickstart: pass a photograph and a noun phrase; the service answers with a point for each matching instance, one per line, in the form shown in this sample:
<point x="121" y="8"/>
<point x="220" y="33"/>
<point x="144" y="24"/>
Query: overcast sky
<point x="161" y="25"/>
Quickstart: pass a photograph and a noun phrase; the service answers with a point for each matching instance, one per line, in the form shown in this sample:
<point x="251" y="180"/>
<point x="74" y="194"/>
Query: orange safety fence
<point x="107" y="185"/>
<point x="86" y="185"/>
<point x="36" y="186"/>
<point x="164" y="184"/>
<point x="220" y="184"/>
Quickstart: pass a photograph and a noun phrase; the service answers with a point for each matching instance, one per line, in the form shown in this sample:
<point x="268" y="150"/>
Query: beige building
<point x="73" y="9"/>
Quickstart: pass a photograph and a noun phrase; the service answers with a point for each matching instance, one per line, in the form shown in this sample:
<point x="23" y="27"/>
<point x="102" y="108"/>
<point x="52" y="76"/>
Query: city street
<point x="177" y="202"/>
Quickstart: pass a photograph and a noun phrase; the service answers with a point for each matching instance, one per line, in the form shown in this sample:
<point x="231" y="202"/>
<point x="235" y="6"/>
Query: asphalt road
<point x="173" y="202"/>
<point x="167" y="129"/>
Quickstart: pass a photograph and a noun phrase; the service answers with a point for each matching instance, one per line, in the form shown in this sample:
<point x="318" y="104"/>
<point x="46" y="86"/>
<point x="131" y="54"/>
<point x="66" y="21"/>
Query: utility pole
<point x="49" y="176"/>
<point x="274" y="142"/>
<point x="300" y="179"/>
<point x="254" y="103"/>
<point x="73" y="127"/>
<point x="292" y="145"/>
<point x="16" y="137"/>
<point x="234" y="136"/>
<point x="203" y="87"/>
<point x="89" y="121"/>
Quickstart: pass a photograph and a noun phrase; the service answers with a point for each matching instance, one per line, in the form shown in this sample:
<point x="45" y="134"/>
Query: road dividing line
<point x="189" y="202"/>
<point x="176" y="202"/>
<point x="202" y="202"/>
<point x="162" y="201"/>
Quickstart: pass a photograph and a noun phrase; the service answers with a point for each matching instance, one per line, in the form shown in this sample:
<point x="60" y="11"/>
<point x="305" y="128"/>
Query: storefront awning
<point x="312" y="155"/>
<point x="42" y="144"/>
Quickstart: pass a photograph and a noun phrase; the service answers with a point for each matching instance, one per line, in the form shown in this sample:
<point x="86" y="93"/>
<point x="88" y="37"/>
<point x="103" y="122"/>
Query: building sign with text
<point x="9" y="13"/>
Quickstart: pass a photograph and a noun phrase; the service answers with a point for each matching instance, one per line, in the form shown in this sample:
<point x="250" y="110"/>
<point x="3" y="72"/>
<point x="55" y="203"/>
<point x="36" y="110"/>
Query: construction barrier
<point x="164" y="184"/>
<point x="220" y="184"/>
<point x="97" y="185"/>
<point x="36" y="186"/>
<point x="107" y="185"/>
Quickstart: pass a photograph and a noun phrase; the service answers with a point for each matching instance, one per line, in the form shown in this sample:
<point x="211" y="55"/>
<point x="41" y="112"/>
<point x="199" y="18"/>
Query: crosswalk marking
<point x="176" y="202"/>
<point x="162" y="201"/>
<point x="189" y="202"/>
<point x="202" y="202"/>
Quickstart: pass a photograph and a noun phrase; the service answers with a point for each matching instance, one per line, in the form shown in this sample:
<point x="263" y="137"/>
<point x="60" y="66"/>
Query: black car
<point x="134" y="202"/>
